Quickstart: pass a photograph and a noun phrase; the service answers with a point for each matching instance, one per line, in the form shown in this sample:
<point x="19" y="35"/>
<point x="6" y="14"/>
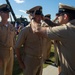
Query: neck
<point x="4" y="22"/>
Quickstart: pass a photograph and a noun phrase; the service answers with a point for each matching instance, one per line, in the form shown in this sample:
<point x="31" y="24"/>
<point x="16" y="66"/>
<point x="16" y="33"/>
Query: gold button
<point x="10" y="48"/>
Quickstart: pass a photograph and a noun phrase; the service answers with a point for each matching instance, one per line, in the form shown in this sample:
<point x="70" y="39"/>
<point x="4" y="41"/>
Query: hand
<point x="56" y="18"/>
<point x="32" y="15"/>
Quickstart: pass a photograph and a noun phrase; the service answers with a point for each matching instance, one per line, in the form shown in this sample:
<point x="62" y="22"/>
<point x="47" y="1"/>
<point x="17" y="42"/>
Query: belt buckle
<point x="40" y="57"/>
<point x="10" y="48"/>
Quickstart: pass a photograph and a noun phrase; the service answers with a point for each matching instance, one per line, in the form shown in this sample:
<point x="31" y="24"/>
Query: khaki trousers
<point x="6" y="61"/>
<point x="33" y="65"/>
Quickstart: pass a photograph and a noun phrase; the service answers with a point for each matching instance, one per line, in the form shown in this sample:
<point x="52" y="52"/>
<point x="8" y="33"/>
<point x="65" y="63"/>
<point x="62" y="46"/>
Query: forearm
<point x="21" y="63"/>
<point x="18" y="55"/>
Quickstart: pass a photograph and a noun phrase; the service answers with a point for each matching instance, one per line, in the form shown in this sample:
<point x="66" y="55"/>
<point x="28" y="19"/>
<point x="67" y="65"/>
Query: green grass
<point x="18" y="71"/>
<point x="51" y="58"/>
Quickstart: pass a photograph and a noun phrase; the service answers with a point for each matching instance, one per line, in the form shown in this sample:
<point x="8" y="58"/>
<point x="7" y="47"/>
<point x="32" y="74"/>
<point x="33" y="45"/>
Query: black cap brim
<point x="57" y="14"/>
<point x="5" y="9"/>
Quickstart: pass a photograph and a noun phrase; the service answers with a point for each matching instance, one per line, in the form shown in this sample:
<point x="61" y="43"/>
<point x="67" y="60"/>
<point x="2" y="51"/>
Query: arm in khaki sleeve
<point x="51" y="23"/>
<point x="21" y="63"/>
<point x="20" y="41"/>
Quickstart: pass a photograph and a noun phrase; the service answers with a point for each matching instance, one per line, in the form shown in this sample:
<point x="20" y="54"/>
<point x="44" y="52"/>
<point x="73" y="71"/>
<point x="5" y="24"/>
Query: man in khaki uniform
<point x="32" y="63"/>
<point x="7" y="34"/>
<point x="65" y="36"/>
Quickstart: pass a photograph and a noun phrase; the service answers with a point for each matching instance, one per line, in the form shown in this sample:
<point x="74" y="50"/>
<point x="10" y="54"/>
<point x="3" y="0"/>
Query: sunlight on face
<point x="61" y="19"/>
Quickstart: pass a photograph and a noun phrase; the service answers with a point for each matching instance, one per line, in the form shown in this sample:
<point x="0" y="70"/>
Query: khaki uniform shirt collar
<point x="71" y="22"/>
<point x="6" y="25"/>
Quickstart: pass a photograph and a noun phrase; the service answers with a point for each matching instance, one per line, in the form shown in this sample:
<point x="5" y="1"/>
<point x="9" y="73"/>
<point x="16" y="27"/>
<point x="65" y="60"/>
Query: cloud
<point x="19" y="1"/>
<point x="22" y="11"/>
<point x="25" y="15"/>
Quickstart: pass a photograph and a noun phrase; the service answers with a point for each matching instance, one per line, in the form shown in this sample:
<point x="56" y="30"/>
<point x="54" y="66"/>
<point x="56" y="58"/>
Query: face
<point x="62" y="19"/>
<point x="38" y="18"/>
<point x="4" y="15"/>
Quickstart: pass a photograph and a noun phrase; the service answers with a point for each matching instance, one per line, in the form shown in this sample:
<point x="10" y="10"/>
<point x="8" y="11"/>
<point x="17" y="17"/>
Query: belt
<point x="37" y="57"/>
<point x="10" y="48"/>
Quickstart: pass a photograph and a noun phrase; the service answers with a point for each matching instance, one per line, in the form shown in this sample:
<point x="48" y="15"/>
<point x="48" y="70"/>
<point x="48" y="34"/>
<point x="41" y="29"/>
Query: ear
<point x="65" y="16"/>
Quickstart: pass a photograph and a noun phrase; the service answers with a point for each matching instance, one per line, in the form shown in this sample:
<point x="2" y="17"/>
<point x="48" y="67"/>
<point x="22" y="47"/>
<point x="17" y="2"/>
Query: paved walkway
<point x="50" y="70"/>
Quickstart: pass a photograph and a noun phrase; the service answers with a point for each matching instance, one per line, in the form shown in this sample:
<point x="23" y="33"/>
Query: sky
<point x="49" y="6"/>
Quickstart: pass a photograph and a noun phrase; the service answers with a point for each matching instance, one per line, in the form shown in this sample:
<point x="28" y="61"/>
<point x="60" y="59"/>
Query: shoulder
<point x="25" y="30"/>
<point x="10" y="25"/>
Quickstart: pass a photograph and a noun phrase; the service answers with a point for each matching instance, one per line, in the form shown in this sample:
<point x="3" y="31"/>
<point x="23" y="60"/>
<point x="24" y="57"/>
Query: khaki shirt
<point x="32" y="42"/>
<point x="65" y="34"/>
<point x="7" y="34"/>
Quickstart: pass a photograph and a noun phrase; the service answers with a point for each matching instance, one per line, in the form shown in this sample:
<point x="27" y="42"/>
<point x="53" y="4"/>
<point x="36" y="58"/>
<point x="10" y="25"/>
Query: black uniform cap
<point x="65" y="9"/>
<point x="4" y="8"/>
<point x="48" y="15"/>
<point x="36" y="9"/>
